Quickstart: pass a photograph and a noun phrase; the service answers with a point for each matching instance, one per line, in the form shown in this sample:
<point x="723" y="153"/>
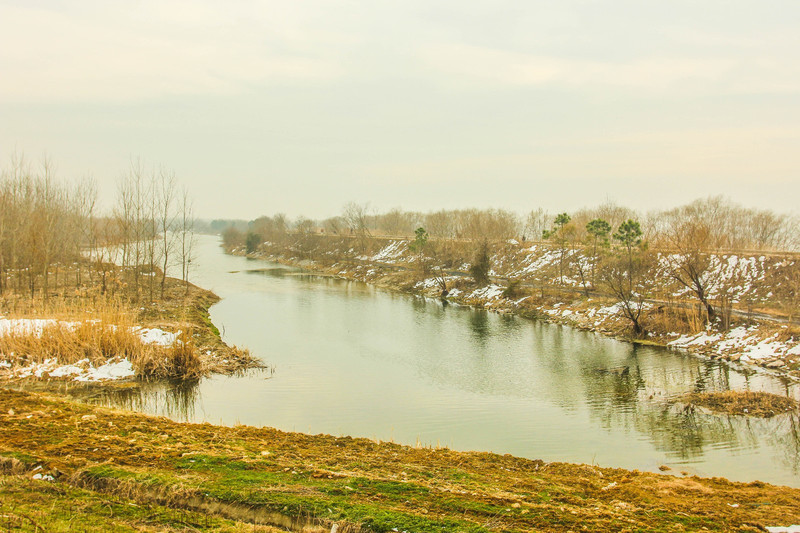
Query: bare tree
<point x="626" y="279"/>
<point x="334" y="225"/>
<point x="166" y="218"/>
<point x="355" y="216"/>
<point x="536" y="223"/>
<point x="85" y="200"/>
<point x="694" y="233"/>
<point x="186" y="237"/>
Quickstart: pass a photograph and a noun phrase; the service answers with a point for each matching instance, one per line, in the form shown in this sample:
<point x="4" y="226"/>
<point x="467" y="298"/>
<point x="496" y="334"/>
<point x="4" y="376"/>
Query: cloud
<point x="151" y="50"/>
<point x="662" y="74"/>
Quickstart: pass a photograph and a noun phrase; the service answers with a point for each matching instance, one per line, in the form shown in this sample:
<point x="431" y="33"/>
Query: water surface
<point x="350" y="359"/>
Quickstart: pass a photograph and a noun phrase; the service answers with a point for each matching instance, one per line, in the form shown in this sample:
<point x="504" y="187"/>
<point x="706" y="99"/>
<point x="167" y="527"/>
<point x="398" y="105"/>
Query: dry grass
<point x="180" y="360"/>
<point x="97" y="333"/>
<point x="105" y="321"/>
<point x="760" y="404"/>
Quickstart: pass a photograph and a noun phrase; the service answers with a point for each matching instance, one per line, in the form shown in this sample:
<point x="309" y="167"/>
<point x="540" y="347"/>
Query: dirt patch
<point x="759" y="404"/>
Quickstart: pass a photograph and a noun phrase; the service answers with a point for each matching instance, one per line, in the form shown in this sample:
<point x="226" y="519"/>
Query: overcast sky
<point x="301" y="106"/>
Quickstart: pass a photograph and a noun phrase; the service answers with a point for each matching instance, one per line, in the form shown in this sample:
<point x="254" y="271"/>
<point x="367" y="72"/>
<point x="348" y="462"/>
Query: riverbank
<point x="87" y="335"/>
<point x="520" y="287"/>
<point x="152" y="472"/>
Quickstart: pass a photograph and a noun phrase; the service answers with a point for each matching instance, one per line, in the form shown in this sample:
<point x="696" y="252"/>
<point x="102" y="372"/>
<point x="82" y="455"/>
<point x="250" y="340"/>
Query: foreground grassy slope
<point x="32" y="505"/>
<point x="222" y="477"/>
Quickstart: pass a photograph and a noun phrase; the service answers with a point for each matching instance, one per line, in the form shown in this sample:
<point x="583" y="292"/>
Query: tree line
<point x="51" y="228"/>
<point x="609" y="248"/>
<point x="729" y="226"/>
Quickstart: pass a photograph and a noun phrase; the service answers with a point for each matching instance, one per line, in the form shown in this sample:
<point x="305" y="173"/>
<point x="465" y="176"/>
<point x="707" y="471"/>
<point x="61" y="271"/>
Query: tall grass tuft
<point x="180" y="360"/>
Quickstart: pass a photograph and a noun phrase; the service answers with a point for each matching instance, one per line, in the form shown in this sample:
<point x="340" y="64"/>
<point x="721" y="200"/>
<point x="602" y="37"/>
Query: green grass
<point x="378" y="505"/>
<point x="30" y="505"/>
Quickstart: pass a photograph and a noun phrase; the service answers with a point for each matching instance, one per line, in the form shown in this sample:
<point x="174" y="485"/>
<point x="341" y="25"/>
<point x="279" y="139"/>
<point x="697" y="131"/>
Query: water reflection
<point x="176" y="400"/>
<point x="786" y="439"/>
<point x="479" y="323"/>
<point x="352" y="359"/>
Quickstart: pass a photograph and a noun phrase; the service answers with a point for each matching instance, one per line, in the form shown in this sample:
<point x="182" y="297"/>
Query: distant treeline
<point x="701" y="249"/>
<point x="721" y="224"/>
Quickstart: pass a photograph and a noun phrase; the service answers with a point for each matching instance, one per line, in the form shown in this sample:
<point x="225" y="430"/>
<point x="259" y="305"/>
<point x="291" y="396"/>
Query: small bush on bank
<point x="180" y="360"/>
<point x="482" y="265"/>
<point x="513" y="290"/>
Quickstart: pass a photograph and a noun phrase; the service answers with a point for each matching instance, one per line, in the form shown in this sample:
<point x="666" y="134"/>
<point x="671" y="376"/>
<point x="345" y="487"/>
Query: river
<point x="347" y="358"/>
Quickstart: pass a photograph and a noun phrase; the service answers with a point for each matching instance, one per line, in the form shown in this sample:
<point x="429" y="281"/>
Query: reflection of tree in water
<point x="787" y="441"/>
<point x="684" y="434"/>
<point x="625" y="402"/>
<point x="479" y="324"/>
<point x="618" y="398"/>
<point x="510" y="324"/>
<point x="712" y="376"/>
<point x="427" y="313"/>
<point x="175" y="400"/>
<point x="274" y="272"/>
<point x="181" y="398"/>
<point x="612" y="384"/>
<point x="786" y="438"/>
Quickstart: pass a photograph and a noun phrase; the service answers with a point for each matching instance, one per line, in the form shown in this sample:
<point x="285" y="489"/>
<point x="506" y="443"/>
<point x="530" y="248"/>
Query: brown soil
<point x="314" y="477"/>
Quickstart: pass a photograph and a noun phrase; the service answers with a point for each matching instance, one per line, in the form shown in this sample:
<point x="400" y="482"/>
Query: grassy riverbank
<point x="113" y="468"/>
<point x="90" y="332"/>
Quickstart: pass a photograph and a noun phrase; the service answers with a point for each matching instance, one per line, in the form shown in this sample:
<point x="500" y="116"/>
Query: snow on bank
<point x="36" y="326"/>
<point x="156" y="336"/>
<point x="491" y="292"/>
<point x="393" y="250"/>
<point x="30" y="326"/>
<point x="757" y="344"/>
<point x="435" y="283"/>
<point x="114" y="368"/>
<point x="743" y="344"/>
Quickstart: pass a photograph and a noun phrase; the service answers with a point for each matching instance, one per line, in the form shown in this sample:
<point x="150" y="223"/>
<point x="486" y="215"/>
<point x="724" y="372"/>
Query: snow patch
<point x="156" y="336"/>
<point x="490" y="292"/>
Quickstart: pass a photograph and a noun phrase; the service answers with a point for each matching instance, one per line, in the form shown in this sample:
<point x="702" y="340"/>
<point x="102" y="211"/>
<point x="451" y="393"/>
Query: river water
<point x="350" y="359"/>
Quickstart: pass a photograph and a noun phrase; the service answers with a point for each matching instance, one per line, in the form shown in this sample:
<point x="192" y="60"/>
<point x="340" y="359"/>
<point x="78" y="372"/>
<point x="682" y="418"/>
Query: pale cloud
<point x="721" y="158"/>
<point x="156" y="50"/>
<point x="657" y="74"/>
<point x="414" y="103"/>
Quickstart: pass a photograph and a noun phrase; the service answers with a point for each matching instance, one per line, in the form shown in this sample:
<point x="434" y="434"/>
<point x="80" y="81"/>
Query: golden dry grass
<point x="76" y="332"/>
<point x="760" y="404"/>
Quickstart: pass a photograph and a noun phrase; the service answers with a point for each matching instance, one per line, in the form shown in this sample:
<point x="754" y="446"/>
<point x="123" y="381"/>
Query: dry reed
<point x="761" y="404"/>
<point x="72" y="332"/>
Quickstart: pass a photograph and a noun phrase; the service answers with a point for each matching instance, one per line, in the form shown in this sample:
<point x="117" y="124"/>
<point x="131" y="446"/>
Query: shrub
<point x="482" y="265"/>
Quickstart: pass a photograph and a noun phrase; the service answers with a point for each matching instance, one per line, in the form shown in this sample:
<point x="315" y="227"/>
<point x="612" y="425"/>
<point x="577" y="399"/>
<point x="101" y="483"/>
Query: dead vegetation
<point x="89" y="325"/>
<point x="759" y="404"/>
